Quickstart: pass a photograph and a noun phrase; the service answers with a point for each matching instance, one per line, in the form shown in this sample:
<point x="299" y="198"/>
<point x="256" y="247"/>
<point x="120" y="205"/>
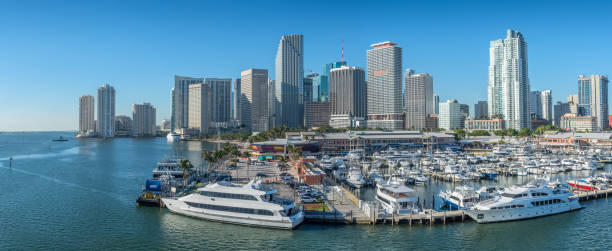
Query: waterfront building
<point x="450" y="115"/>
<point x="508" y="89"/>
<point x="341" y="143"/>
<point x="547" y="106"/>
<point x="384" y="88"/>
<point x="572" y="101"/>
<point x="431" y="121"/>
<point x="236" y="100"/>
<point x="535" y="104"/>
<point x="560" y="109"/>
<point x="316" y="114"/>
<point x="574" y="122"/>
<point x="418" y="98"/>
<point x="220" y="93"/>
<point x="436" y="100"/>
<point x="490" y="125"/>
<point x="254" y="99"/>
<point x="181" y="100"/>
<point x="165" y="125"/>
<point x="200" y="108"/>
<point x="106" y="111"/>
<point x="593" y="98"/>
<point x="347" y="95"/>
<point x="289" y="82"/>
<point x="143" y="118"/>
<point x="481" y="110"/>
<point x="123" y="125"/>
<point x="86" y="115"/>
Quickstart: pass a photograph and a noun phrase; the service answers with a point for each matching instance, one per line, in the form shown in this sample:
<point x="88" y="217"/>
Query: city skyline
<point x="75" y="62"/>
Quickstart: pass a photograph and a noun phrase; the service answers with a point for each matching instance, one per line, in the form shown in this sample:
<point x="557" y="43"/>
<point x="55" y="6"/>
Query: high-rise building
<point x="572" y="101"/>
<point x="221" y="94"/>
<point x="165" y="125"/>
<point x="347" y="96"/>
<point x="106" y="111"/>
<point x="323" y="80"/>
<point x="254" y="100"/>
<point x="450" y="115"/>
<point x="86" y="114"/>
<point x="593" y="98"/>
<point x="560" y="110"/>
<point x="508" y="89"/>
<point x="236" y="100"/>
<point x="535" y="104"/>
<point x="464" y="109"/>
<point x="316" y="87"/>
<point x="181" y="100"/>
<point x="316" y="114"/>
<point x="200" y="107"/>
<point x="547" y="105"/>
<point x="272" y="104"/>
<point x="308" y="88"/>
<point x="123" y="125"/>
<point x="436" y="100"/>
<point x="172" y="107"/>
<point x="384" y="88"/>
<point x="289" y="81"/>
<point x="418" y="98"/>
<point x="143" y="119"/>
<point x="481" y="110"/>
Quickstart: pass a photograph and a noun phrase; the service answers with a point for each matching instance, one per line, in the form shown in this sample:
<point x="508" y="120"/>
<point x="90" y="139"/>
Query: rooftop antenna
<point x="342" y="50"/>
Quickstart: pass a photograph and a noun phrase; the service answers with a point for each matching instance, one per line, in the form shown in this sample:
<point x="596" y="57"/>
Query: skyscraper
<point x="450" y="115"/>
<point x="323" y="80"/>
<point x="200" y="107"/>
<point x="106" y="111"/>
<point x="221" y="95"/>
<point x="236" y="100"/>
<point x="481" y="110"/>
<point x="418" y="98"/>
<point x="535" y="104"/>
<point x="347" y="96"/>
<point x="572" y="101"/>
<point x="464" y="110"/>
<point x="508" y="89"/>
<point x="143" y="120"/>
<point x="436" y="100"/>
<point x="384" y="88"/>
<point x="547" y="105"/>
<point x="172" y="107"/>
<point x="181" y="100"/>
<point x="254" y="99"/>
<point x="289" y="81"/>
<point x="308" y="88"/>
<point x="593" y="98"/>
<point x="86" y="114"/>
<point x="560" y="110"/>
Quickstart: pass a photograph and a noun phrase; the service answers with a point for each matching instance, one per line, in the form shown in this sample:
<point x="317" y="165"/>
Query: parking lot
<point x="265" y="170"/>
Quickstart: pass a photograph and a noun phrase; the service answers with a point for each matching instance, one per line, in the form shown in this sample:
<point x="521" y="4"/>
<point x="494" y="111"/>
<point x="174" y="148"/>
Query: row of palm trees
<point x="218" y="156"/>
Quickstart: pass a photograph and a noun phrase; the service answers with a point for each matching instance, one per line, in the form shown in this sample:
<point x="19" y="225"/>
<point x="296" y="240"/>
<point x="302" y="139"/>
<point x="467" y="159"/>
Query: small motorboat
<point x="60" y="139"/>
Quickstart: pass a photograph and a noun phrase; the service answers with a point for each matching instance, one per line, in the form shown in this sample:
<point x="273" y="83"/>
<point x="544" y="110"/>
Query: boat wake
<point x="70" y="151"/>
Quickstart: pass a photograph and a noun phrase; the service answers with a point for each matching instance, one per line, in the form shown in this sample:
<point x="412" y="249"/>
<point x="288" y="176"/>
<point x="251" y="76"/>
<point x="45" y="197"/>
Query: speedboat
<point x="173" y="137"/>
<point x="60" y="139"/>
<point x="588" y="184"/>
<point x="461" y="198"/>
<point x="251" y="204"/>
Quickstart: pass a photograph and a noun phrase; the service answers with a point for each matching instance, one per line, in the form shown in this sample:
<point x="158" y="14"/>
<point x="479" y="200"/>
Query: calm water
<point x="81" y="194"/>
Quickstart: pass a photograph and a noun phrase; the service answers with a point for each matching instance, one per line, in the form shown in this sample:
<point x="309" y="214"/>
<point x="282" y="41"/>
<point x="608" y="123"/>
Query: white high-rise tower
<point x="289" y="82"/>
<point x="87" y="123"/>
<point x="106" y="111"/>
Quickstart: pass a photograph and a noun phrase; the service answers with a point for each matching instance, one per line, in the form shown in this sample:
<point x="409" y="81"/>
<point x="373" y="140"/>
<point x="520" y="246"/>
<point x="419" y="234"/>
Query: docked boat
<point x="173" y="137"/>
<point x="355" y="177"/>
<point x="588" y="184"/>
<point x="250" y="204"/>
<point x="525" y="202"/>
<point x="396" y="198"/>
<point x="461" y="198"/>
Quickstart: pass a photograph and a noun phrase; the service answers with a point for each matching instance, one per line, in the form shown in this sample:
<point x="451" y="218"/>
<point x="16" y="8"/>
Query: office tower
<point x="236" y="101"/>
<point x="272" y="104"/>
<point x="308" y="88"/>
<point x="181" y="100"/>
<point x="316" y="86"/>
<point x="123" y="125"/>
<point x="481" y="110"/>
<point x="572" y="101"/>
<point x="384" y="88"/>
<point x="143" y="119"/>
<point x="323" y="80"/>
<point x="172" y="107"/>
<point x="547" y="105"/>
<point x="450" y="115"/>
<point x="508" y="89"/>
<point x="86" y="114"/>
<point x="593" y="98"/>
<point x="316" y="114"/>
<point x="165" y="125"/>
<point x="221" y="93"/>
<point x="200" y="107"/>
<point x="418" y="98"/>
<point x="464" y="110"/>
<point x="560" y="110"/>
<point x="289" y="81"/>
<point x="106" y="111"/>
<point x="436" y="100"/>
<point x="254" y="100"/>
<point x="347" y="96"/>
<point x="535" y="104"/>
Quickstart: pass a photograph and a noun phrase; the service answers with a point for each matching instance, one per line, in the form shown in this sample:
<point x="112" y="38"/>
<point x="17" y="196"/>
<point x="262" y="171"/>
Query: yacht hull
<point x="514" y="214"/>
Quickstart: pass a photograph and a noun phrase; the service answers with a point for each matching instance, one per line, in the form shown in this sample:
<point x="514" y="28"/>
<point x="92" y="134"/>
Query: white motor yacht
<point x="461" y="198"/>
<point x="355" y="177"/>
<point x="250" y="204"/>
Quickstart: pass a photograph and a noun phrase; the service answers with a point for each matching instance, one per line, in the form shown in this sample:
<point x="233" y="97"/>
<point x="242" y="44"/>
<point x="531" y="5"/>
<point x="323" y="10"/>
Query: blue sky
<point x="51" y="52"/>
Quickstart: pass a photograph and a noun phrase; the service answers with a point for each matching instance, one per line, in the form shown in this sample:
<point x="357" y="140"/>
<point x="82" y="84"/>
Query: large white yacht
<point x="250" y="204"/>
<point x="355" y="177"/>
<point x="529" y="201"/>
<point x="396" y="197"/>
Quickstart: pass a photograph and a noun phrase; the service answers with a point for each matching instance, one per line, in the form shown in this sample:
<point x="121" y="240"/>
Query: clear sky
<point x="52" y="52"/>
